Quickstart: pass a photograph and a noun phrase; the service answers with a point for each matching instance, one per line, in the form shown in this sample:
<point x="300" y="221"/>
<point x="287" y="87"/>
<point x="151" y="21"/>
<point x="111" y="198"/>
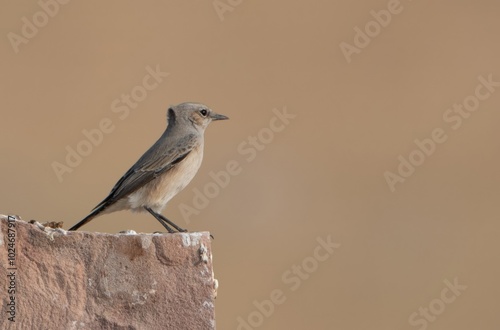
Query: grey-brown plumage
<point x="165" y="169"/>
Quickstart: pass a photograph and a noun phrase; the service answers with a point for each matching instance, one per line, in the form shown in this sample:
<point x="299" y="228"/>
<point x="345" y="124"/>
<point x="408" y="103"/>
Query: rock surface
<point x="83" y="280"/>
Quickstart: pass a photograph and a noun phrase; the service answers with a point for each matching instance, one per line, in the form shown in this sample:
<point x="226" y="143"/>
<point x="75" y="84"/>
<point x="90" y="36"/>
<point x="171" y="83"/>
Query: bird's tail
<point x="89" y="217"/>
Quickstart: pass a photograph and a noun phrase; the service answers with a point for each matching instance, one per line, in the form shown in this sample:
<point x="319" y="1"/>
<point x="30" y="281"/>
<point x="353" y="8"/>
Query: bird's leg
<point x="162" y="220"/>
<point x="159" y="218"/>
<point x="172" y="224"/>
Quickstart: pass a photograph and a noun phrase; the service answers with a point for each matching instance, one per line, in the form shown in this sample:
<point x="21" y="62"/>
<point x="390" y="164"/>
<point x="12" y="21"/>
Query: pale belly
<point x="157" y="193"/>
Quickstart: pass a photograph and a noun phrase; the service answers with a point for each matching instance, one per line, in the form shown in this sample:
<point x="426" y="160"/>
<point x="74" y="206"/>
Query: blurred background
<point x="326" y="100"/>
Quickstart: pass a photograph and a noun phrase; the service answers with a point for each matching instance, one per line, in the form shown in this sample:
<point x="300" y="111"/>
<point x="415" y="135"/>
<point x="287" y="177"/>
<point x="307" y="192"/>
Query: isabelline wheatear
<point x="165" y="169"/>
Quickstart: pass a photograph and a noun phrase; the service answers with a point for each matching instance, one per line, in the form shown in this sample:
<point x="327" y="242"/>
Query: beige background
<point x="322" y="175"/>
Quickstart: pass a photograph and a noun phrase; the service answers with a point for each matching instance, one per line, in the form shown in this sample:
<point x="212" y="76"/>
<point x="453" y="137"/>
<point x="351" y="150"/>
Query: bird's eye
<point x="204" y="112"/>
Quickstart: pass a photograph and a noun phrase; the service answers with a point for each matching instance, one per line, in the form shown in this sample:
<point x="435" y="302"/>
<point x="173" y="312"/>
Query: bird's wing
<point x="149" y="167"/>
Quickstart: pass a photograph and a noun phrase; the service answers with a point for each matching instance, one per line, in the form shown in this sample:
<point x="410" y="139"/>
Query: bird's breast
<point x="159" y="191"/>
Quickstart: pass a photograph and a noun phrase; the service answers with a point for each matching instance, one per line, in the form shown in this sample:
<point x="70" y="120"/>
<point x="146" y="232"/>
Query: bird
<point x="164" y="169"/>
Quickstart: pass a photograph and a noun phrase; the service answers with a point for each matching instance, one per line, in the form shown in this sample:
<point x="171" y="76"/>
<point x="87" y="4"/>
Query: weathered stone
<point x="83" y="280"/>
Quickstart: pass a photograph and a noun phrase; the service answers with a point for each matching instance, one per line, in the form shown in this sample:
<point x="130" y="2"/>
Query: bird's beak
<point x="216" y="116"/>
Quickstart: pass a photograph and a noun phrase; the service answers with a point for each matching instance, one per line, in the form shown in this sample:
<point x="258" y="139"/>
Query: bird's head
<point x="196" y="114"/>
